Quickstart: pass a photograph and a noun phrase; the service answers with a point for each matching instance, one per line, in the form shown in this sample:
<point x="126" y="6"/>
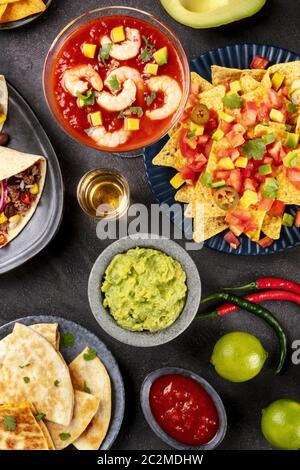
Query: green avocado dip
<point x="144" y="289"/>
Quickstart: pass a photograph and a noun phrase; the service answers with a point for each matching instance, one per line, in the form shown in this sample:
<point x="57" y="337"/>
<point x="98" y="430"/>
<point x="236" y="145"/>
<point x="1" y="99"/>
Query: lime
<point x="238" y="356"/>
<point x="280" y="424"/>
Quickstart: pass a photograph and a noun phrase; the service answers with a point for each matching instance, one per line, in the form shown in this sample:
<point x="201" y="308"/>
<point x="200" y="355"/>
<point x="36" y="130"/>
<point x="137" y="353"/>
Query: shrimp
<point x="128" y="49"/>
<point x="172" y="96"/>
<point x="118" y="102"/>
<point x="73" y="83"/>
<point x="125" y="73"/>
<point x="105" y="138"/>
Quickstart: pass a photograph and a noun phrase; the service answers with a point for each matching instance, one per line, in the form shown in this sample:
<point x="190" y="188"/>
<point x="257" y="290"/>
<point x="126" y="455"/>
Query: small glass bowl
<point x="145" y="403"/>
<point x="69" y="29"/>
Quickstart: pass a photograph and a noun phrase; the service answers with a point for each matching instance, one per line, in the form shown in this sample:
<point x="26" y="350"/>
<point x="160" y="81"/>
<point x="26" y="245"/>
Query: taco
<point x="3" y="101"/>
<point x="22" y="179"/>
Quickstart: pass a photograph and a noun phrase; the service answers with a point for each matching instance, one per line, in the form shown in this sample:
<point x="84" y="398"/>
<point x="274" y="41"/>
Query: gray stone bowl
<point x="144" y="339"/>
<point x="145" y="404"/>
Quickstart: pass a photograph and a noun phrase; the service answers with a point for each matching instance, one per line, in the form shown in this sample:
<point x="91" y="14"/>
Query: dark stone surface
<point x="55" y="282"/>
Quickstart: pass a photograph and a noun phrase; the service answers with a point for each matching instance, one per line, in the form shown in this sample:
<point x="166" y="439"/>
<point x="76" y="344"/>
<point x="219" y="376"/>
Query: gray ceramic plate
<point x="85" y="338"/>
<point x="27" y="135"/>
<point x="144" y="339"/>
<point x="144" y="397"/>
<point x="24" y="21"/>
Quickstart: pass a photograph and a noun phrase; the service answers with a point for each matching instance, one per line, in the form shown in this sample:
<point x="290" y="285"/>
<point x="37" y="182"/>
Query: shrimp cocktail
<point x="116" y="82"/>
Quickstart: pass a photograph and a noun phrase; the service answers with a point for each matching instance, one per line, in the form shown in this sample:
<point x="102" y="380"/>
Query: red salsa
<point x="184" y="409"/>
<point x="76" y="117"/>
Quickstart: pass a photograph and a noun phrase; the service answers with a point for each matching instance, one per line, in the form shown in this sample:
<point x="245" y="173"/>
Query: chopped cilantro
<point x="67" y="340"/>
<point x="114" y="84"/>
<point x="104" y="52"/>
<point x="88" y="99"/>
<point x="56" y="383"/>
<point x="40" y="416"/>
<point x="121" y="115"/>
<point x="270" y="188"/>
<point x="86" y="389"/>
<point x="10" y="423"/>
<point x="25" y="365"/>
<point x="26" y="380"/>
<point x="132" y="110"/>
<point x="89" y="355"/>
<point x="254" y="149"/>
<point x="232" y="101"/>
<point x="150" y="98"/>
<point x="291" y="107"/>
<point x="64" y="436"/>
<point x="146" y="53"/>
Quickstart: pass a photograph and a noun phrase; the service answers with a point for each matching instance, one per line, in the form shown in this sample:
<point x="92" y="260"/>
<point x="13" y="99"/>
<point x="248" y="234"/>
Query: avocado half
<point x="211" y="13"/>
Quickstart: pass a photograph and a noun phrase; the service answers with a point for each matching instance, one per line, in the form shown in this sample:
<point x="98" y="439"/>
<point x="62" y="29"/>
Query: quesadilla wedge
<point x="19" y="430"/>
<point x="33" y="370"/>
<point x="3" y="101"/>
<point x="22" y="179"/>
<point x="93" y="376"/>
<point x="85" y="408"/>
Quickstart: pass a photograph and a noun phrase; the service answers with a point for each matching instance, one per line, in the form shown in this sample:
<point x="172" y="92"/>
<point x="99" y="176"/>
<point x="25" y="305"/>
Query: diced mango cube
<point x="118" y="34"/>
<point x="151" y="69"/>
<point x="249" y="198"/>
<point x="132" y="124"/>
<point x="196" y="129"/>
<point x="2" y="118"/>
<point x="218" y="135"/>
<point x="161" y="56"/>
<point x="177" y="181"/>
<point x="276" y="115"/>
<point x="89" y="50"/>
<point x="15" y="219"/>
<point x="226" y="163"/>
<point x="225" y="117"/>
<point x="96" y="118"/>
<point x="241" y="162"/>
<point x="277" y="80"/>
<point x="34" y="189"/>
<point x="3" y="218"/>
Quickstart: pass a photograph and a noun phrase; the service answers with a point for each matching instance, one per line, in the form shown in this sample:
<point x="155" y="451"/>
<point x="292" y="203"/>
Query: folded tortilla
<point x="13" y="162"/>
<point x="93" y="374"/>
<point x="3" y="98"/>
<point x="49" y="387"/>
<point x="29" y="433"/>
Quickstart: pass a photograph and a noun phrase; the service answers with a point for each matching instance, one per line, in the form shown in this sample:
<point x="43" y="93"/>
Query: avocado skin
<point x="234" y="11"/>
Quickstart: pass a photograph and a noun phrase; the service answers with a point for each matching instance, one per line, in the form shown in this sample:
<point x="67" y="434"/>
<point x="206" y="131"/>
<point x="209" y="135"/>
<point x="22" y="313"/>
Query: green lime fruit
<point x="238" y="356"/>
<point x="280" y="424"/>
<point x="211" y="13"/>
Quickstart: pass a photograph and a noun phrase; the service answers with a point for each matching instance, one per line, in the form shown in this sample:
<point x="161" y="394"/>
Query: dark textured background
<point x="55" y="282"/>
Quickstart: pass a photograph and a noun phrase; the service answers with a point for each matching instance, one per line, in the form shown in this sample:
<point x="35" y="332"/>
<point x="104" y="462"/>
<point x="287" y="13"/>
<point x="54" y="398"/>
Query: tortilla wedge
<point x="170" y="154"/>
<point x="13" y="162"/>
<point x="271" y="226"/>
<point x="85" y="408"/>
<point x="221" y="75"/>
<point x="212" y="98"/>
<point x="291" y="71"/>
<point x="28" y="434"/>
<point x="287" y="192"/>
<point x="27" y="348"/>
<point x="93" y="374"/>
<point x="21" y="9"/>
<point x="3" y="86"/>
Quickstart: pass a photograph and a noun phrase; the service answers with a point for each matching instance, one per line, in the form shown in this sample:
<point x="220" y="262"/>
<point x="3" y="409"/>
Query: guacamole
<point x="144" y="289"/>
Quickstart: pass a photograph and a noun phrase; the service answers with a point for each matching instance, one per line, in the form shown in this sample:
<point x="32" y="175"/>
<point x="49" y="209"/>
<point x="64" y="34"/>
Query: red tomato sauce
<point x="70" y="54"/>
<point x="183" y="409"/>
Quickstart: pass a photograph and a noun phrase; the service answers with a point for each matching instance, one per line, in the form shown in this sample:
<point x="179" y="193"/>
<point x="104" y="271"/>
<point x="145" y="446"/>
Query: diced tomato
<point x="263" y="112"/>
<point x="250" y="184"/>
<point x="284" y="91"/>
<point x="25" y="198"/>
<point x="198" y="163"/>
<point x="297" y="219"/>
<point x="274" y="99"/>
<point x="249" y="113"/>
<point x="276" y="151"/>
<point x="186" y="114"/>
<point x="232" y="153"/>
<point x="267" y="160"/>
<point x="246" y="172"/>
<point x="212" y="123"/>
<point x="239" y="129"/>
<point x="241" y="219"/>
<point x="235" y="139"/>
<point x="235" y="180"/>
<point x="277" y="208"/>
<point x="226" y="127"/>
<point x="293" y="175"/>
<point x="260" y="178"/>
<point x="202" y="139"/>
<point x="189" y="175"/>
<point x="259" y="62"/>
<point x="265" y="242"/>
<point x="207" y="148"/>
<point x="232" y="240"/>
<point x="265" y="204"/>
<point x="221" y="174"/>
<point x="185" y="149"/>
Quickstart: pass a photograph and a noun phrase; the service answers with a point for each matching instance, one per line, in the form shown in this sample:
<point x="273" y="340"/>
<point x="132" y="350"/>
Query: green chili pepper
<point x="257" y="310"/>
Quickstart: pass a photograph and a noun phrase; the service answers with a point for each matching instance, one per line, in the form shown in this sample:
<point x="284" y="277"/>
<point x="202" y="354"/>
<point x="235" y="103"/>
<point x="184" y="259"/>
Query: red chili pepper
<point x="257" y="297"/>
<point x="25" y="198"/>
<point x="269" y="283"/>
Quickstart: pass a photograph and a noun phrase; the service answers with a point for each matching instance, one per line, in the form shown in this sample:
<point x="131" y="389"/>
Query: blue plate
<point x="235" y="56"/>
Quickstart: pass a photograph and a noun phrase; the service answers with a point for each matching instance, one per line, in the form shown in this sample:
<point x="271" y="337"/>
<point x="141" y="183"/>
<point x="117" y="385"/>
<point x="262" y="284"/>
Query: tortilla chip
<point x="185" y="194"/>
<point x="258" y="217"/>
<point x="85" y="408"/>
<point x="257" y="95"/>
<point x="213" y="98"/>
<point x="2" y="9"/>
<point x="291" y="70"/>
<point x="248" y="83"/>
<point x="205" y="228"/>
<point x="21" y="9"/>
<point x="287" y="192"/>
<point x="271" y="226"/>
<point x="204" y="85"/>
<point x="221" y="75"/>
<point x="298" y="126"/>
<point x="188" y="213"/>
<point x="170" y="154"/>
